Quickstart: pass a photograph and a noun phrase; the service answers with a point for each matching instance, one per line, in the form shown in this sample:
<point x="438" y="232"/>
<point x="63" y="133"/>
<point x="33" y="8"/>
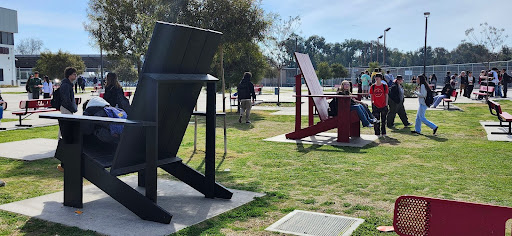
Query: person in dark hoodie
<point x="67" y="97"/>
<point x="246" y="97"/>
<point x="396" y="104"/>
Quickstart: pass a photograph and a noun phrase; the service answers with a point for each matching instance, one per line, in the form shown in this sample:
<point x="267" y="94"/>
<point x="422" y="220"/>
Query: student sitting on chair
<point x="445" y="93"/>
<point x="362" y="110"/>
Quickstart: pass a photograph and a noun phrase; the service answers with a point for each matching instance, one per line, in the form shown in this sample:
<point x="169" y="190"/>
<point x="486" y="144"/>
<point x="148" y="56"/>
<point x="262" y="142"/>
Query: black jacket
<point x="447" y="79"/>
<point x="506" y="79"/>
<point x="447" y="90"/>
<point x="67" y="97"/>
<point x="112" y="95"/>
<point x="246" y="90"/>
<point x="394" y="93"/>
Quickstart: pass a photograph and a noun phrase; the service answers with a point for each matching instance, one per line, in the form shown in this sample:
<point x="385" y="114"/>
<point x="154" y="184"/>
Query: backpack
<point x="384" y="86"/>
<point x="113" y="112"/>
<point x="429" y="100"/>
<point x="56" y="102"/>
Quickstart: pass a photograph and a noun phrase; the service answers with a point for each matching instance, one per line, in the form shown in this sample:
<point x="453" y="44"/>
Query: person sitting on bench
<point x="445" y="93"/>
<point x="364" y="114"/>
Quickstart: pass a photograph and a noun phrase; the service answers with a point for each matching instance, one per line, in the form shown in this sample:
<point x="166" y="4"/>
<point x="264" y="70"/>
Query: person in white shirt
<point x="47" y="87"/>
<point x="496" y="81"/>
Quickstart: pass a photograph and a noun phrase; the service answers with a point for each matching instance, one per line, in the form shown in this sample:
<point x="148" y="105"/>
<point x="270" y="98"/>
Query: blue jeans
<point x="1" y="111"/>
<point x="497" y="91"/>
<point x="361" y="113"/>
<point x="420" y="117"/>
<point x="438" y="99"/>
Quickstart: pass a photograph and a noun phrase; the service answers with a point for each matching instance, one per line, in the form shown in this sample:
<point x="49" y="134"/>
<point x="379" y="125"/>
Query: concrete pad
<point x="29" y="150"/>
<point x="326" y="139"/>
<point x="496" y="137"/>
<point x="104" y="215"/>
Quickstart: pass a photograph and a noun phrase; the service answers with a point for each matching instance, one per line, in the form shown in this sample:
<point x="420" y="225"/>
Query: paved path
<point x="13" y="98"/>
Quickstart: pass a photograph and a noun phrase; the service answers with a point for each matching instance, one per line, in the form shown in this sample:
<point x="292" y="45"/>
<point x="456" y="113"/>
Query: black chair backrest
<point x="173" y="74"/>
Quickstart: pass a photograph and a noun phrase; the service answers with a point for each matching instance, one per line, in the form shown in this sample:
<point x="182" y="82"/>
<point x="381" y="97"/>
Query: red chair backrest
<point x="102" y="95"/>
<point x="483" y="88"/>
<point x="454" y="93"/>
<point x="430" y="216"/>
<point x="313" y="84"/>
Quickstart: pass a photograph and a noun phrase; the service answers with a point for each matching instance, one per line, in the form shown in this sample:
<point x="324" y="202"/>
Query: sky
<point x="60" y="24"/>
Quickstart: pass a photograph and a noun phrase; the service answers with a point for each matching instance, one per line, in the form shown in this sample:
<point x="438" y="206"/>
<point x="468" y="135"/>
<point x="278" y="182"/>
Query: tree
<point x="323" y="70"/>
<point x="53" y="65"/>
<point x="280" y="43"/>
<point x="125" y="70"/>
<point x="240" y="21"/>
<point x="29" y="46"/>
<point x="372" y="66"/>
<point x="490" y="37"/>
<point x="124" y="28"/>
<point x="339" y="71"/>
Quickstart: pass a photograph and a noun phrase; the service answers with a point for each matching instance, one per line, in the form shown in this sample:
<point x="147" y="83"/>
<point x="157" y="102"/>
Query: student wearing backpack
<point x="379" y="95"/>
<point x="420" y="116"/>
<point x="396" y="103"/>
<point x="246" y="97"/>
<point x="445" y="93"/>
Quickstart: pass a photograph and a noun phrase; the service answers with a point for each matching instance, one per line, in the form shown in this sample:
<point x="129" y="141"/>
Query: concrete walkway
<point x="13" y="97"/>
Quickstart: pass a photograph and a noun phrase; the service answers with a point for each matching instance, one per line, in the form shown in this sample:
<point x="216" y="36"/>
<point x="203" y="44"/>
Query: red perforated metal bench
<point x="415" y="216"/>
<point x="449" y="100"/>
<point x="35" y="106"/>
<point x="502" y="117"/>
<point x="484" y="91"/>
<point x="126" y="94"/>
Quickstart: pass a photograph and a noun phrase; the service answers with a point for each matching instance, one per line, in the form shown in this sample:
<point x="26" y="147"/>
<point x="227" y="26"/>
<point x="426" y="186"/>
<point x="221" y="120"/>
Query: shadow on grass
<point x="314" y="147"/>
<point x="38" y="227"/>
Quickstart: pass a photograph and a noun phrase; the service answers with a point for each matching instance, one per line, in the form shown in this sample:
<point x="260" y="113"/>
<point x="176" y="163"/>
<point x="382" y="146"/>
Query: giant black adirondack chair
<point x="174" y="72"/>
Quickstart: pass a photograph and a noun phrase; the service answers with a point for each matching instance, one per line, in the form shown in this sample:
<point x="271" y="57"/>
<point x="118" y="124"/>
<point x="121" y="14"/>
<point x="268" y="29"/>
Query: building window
<point x="4" y="38"/>
<point x="1" y="74"/>
<point x="4" y="50"/>
<point x="10" y="39"/>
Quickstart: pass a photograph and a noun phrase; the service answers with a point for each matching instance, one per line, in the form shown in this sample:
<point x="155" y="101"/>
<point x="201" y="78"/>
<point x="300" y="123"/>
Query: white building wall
<point x="7" y="63"/>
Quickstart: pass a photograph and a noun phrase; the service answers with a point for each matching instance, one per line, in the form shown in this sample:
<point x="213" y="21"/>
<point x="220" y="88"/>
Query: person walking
<point x="447" y="78"/>
<point x="28" y="88"/>
<point x="1" y="110"/>
<point x="420" y="116"/>
<point x="246" y="96"/>
<point x="463" y="83"/>
<point x="433" y="80"/>
<point x="506" y="79"/>
<point x="379" y="95"/>
<point x="47" y="87"/>
<point x="365" y="81"/>
<point x="396" y="103"/>
<point x="36" y="85"/>
<point x="113" y="91"/>
<point x="471" y="85"/>
<point x="389" y="77"/>
<point x="67" y="97"/>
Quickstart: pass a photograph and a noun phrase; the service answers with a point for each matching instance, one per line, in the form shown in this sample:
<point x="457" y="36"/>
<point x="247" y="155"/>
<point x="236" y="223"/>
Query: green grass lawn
<point x="459" y="163"/>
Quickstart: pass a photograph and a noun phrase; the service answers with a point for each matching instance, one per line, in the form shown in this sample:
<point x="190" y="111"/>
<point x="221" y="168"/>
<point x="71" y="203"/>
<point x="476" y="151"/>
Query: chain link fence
<point x="287" y="75"/>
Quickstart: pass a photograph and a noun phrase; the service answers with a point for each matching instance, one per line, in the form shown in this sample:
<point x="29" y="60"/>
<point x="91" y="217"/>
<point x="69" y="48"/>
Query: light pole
<point x="426" y="14"/>
<point x="378" y="44"/>
<point x="384" y="58"/>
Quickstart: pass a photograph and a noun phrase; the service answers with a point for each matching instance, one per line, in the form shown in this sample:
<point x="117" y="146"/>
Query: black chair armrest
<point x="97" y="119"/>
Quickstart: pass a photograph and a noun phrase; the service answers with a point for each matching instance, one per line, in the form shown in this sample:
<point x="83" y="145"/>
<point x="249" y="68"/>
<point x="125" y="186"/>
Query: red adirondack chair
<point x="346" y="122"/>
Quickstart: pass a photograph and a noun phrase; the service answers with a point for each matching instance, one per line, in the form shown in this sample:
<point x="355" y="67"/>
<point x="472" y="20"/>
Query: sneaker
<point x="240" y="120"/>
<point x="391" y="127"/>
<point x="435" y="130"/>
<point x="376" y="121"/>
<point x="414" y="132"/>
<point x="248" y="122"/>
<point x="408" y="124"/>
<point x="369" y="126"/>
<point x="60" y="168"/>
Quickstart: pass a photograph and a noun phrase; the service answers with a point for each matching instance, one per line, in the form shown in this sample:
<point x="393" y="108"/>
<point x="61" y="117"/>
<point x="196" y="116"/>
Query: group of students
<point x="113" y="104"/>
<point x="36" y="86"/>
<point x="493" y="77"/>
<point x="387" y="100"/>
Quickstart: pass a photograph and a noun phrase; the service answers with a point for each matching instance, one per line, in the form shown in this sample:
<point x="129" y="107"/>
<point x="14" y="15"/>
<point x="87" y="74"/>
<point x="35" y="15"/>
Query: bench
<point x="257" y="89"/>
<point x="484" y="91"/>
<point x="36" y="106"/>
<point x="450" y="100"/>
<point x="95" y="89"/>
<point x="502" y="116"/>
<point x="415" y="215"/>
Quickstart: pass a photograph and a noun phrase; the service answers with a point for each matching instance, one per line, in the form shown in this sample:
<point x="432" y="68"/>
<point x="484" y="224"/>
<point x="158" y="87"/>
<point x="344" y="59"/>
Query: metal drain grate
<point x="318" y="224"/>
